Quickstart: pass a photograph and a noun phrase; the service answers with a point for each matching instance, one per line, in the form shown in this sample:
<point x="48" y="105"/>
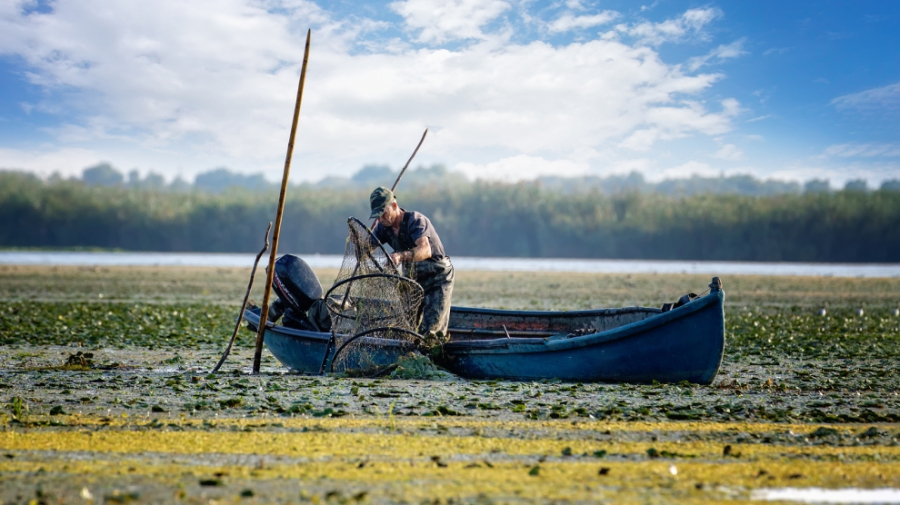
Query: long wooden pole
<point x="270" y="272"/>
<point x="237" y="325"/>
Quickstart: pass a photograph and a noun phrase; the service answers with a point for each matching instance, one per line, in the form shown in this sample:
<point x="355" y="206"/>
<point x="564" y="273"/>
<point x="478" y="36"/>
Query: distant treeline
<point x="475" y="219"/>
<point x="220" y="180"/>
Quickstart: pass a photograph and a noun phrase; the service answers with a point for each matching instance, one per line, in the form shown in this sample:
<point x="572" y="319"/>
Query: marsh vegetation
<point x="119" y="387"/>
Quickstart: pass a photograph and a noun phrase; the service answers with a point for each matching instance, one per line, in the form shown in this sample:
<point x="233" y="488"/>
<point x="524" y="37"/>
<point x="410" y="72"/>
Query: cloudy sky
<point x="510" y="89"/>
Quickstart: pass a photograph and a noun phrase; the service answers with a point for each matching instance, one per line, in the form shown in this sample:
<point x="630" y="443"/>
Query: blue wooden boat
<point x="633" y="344"/>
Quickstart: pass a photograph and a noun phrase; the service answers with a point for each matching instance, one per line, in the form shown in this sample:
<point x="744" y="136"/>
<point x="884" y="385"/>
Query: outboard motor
<point x="298" y="289"/>
<point x="295" y="283"/>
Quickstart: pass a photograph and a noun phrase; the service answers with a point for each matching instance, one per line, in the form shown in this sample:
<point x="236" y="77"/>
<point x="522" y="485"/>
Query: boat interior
<point x="485" y="324"/>
<point x="468" y="323"/>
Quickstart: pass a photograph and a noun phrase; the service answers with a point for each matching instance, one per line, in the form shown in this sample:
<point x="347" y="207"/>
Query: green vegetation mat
<point x="110" y="398"/>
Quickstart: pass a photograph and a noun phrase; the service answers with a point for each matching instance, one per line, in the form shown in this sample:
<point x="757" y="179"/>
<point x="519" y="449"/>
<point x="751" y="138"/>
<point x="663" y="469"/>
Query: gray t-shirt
<point x="414" y="226"/>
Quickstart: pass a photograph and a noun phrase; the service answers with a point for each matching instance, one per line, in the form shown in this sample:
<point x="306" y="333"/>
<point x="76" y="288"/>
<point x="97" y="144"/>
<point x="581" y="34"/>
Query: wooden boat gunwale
<point x="561" y="314"/>
<point x="253" y="319"/>
<point x="535" y="344"/>
<point x="563" y="342"/>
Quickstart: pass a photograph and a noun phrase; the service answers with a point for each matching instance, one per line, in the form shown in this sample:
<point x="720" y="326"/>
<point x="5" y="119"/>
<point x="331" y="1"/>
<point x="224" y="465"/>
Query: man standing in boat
<point x="418" y="248"/>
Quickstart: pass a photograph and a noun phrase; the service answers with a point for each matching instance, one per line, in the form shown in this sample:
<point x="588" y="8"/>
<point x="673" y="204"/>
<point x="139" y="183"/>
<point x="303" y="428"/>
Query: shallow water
<point x="59" y="258"/>
<point x="127" y="429"/>
<point x="803" y="400"/>
<point x="818" y="495"/>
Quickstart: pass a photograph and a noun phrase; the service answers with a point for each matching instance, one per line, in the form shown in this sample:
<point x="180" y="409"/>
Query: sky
<point x="509" y="89"/>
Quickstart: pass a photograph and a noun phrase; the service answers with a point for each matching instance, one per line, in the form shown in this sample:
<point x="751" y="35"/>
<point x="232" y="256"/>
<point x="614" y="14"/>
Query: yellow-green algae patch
<point x="575" y="480"/>
<point x="391" y="463"/>
<point x="384" y="423"/>
<point x="322" y="444"/>
<point x="335" y="444"/>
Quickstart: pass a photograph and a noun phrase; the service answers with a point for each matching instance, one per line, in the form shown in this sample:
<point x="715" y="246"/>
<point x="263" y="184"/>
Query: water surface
<point x="819" y="495"/>
<point x="464" y="263"/>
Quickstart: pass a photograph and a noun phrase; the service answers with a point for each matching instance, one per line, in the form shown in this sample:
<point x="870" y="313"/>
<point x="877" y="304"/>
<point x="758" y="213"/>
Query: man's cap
<point x="381" y="198"/>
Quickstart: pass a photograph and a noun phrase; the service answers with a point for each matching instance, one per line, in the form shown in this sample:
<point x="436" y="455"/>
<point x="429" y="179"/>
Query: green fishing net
<point x="374" y="309"/>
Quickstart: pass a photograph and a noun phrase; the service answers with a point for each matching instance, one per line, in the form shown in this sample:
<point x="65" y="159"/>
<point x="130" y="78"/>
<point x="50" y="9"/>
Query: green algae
<point x="791" y="392"/>
<point x="417" y="366"/>
<point x="111" y="324"/>
<point x="802" y="399"/>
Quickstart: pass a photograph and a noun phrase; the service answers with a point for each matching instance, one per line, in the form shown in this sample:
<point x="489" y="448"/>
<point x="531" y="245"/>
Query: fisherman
<point x="418" y="248"/>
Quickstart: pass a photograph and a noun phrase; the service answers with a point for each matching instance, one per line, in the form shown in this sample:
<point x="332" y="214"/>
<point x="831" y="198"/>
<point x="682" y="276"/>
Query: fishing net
<point x="374" y="309"/>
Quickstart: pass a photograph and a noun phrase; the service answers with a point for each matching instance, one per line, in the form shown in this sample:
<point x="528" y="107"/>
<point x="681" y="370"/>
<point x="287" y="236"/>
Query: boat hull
<point x="684" y="344"/>
<point x="303" y="351"/>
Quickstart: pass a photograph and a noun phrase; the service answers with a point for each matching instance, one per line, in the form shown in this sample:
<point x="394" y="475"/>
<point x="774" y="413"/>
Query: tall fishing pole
<point x="403" y="171"/>
<point x="270" y="272"/>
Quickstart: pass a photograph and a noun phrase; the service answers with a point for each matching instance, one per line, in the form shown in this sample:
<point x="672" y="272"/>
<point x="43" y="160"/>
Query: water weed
<point x="805" y="397"/>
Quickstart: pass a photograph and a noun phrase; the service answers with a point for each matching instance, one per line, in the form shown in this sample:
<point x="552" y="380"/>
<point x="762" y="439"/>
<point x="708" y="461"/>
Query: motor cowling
<point x="295" y="283"/>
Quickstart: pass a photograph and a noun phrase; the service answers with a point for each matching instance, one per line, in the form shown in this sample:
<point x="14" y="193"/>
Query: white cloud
<point x="440" y="21"/>
<point x="522" y="167"/>
<point x="568" y="21"/>
<point x="689" y="24"/>
<point x="775" y="50"/>
<point x="165" y="71"/>
<point x="863" y="150"/>
<point x="731" y="107"/>
<point x="729" y="152"/>
<point x="667" y="123"/>
<point x="46" y="162"/>
<point x="718" y="54"/>
<point x="576" y="95"/>
<point x="212" y="83"/>
<point x="884" y="98"/>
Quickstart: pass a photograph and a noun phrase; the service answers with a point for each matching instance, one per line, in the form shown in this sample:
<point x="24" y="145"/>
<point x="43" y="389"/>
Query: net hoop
<point x="411" y="333"/>
<point x="374" y="309"/>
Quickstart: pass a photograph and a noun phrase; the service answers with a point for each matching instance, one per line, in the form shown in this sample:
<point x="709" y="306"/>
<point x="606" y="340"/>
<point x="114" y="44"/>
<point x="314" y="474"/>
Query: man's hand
<point x="421" y="252"/>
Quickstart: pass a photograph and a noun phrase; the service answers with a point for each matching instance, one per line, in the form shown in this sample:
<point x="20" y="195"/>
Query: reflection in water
<point x="465" y="263"/>
<point x="819" y="495"/>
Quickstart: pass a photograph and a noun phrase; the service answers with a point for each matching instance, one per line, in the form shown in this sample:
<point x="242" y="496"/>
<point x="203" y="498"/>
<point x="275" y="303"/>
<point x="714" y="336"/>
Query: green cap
<point x="381" y="198"/>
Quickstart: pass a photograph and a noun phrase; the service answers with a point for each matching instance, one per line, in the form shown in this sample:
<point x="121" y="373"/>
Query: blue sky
<point x="509" y="89"/>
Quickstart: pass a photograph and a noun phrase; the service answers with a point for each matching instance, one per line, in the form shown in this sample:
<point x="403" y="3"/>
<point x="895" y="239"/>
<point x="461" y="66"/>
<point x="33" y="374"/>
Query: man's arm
<point x="421" y="252"/>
